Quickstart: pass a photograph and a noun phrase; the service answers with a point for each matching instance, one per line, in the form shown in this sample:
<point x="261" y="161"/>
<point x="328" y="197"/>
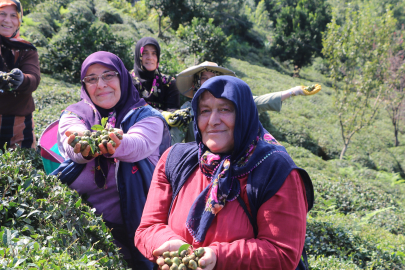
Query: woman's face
<point x="216" y="122"/>
<point x="205" y="76"/>
<point x="149" y="57"/>
<point x="104" y="93"/>
<point x="8" y="20"/>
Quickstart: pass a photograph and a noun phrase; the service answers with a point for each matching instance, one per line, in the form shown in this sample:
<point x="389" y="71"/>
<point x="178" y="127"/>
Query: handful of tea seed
<point x="95" y="138"/>
<point x="183" y="259"/>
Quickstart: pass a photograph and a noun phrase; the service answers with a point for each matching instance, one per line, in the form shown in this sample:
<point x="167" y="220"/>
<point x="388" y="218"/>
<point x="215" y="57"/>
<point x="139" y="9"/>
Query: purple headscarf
<point x="130" y="99"/>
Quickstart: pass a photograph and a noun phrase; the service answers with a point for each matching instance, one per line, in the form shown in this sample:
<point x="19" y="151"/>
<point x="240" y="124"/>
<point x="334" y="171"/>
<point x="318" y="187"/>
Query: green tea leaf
<point x="27" y="183"/>
<point x="97" y="127"/>
<point x="6" y="237"/>
<point x="33" y="212"/>
<point x="104" y="121"/>
<point x="78" y="203"/>
<point x="92" y="147"/>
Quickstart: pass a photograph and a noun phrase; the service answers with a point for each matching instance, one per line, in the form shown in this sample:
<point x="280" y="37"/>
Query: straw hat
<point x="185" y="80"/>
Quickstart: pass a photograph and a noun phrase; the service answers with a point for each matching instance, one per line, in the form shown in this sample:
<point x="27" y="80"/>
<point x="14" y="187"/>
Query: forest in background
<point x="348" y="137"/>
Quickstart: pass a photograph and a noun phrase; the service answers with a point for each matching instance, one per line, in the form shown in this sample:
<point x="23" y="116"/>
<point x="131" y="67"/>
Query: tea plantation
<point x="358" y="220"/>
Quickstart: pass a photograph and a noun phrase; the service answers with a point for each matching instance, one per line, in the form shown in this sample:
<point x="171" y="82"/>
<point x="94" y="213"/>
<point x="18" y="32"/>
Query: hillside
<point x="358" y="219"/>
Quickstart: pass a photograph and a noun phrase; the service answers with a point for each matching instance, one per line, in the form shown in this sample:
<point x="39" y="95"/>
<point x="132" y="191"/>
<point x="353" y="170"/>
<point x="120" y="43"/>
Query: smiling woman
<point x="116" y="180"/>
<point x="235" y="191"/>
<point x="19" y="77"/>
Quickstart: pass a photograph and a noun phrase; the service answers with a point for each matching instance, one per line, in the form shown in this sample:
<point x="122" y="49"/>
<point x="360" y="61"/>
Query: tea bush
<point x="45" y="224"/>
<point x="324" y="239"/>
<point x="81" y="34"/>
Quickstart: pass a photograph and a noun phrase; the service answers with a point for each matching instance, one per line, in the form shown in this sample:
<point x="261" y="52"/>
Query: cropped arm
<point x="141" y="140"/>
<point x="281" y="233"/>
<point x="29" y="65"/>
<point x="268" y="102"/>
<point x="153" y="230"/>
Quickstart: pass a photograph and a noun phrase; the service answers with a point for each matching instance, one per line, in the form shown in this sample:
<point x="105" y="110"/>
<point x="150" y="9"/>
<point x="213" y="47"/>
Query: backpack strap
<point x="180" y="164"/>
<point x="252" y="221"/>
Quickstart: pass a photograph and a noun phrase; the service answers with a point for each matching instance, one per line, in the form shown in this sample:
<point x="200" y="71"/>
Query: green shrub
<point x="107" y="13"/>
<point x="324" y="240"/>
<point x="77" y="39"/>
<point x="330" y="262"/>
<point x="45" y="224"/>
<point x="386" y="161"/>
<point x="204" y="40"/>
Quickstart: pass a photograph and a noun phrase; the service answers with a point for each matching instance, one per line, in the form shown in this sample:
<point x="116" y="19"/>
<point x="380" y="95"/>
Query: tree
<point x="260" y="16"/>
<point x="179" y="11"/>
<point x="394" y="80"/>
<point x="298" y="33"/>
<point x="204" y="40"/>
<point x="354" y="51"/>
<point x="81" y="35"/>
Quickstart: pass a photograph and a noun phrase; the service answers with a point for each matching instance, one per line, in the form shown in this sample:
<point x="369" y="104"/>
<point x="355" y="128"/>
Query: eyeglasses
<point x="93" y="79"/>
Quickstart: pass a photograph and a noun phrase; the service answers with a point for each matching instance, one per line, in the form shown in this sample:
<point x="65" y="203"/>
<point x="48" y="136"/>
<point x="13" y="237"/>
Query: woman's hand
<point x="77" y="148"/>
<point x="110" y="148"/>
<point x="208" y="260"/>
<point x="171" y="245"/>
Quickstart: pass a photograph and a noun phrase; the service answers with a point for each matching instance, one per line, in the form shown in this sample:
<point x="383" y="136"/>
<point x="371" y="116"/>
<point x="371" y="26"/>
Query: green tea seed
<point x="183" y="253"/>
<point x="176" y="260"/>
<point x="174" y="254"/>
<point x="168" y="261"/>
<point x="186" y="260"/>
<point x="166" y="254"/>
<point x="199" y="251"/>
<point x="192" y="264"/>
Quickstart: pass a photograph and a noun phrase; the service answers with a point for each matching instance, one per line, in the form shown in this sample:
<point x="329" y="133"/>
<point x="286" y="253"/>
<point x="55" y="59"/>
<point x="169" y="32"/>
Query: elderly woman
<point x="116" y="180"/>
<point x="235" y="191"/>
<point x="19" y="77"/>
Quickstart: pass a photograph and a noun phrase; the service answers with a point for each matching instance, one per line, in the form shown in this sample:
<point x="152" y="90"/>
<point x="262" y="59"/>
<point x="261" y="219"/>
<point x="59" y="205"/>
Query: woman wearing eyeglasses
<point x="19" y="77"/>
<point x="116" y="180"/>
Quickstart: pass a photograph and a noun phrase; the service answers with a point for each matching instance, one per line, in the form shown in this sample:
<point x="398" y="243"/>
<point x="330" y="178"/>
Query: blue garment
<point x="133" y="182"/>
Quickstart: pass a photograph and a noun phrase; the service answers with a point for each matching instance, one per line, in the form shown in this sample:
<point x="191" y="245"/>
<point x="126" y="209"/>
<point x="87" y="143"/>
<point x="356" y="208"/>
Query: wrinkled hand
<point x="110" y="148"/>
<point x="171" y="245"/>
<point x="208" y="260"/>
<point x="178" y="118"/>
<point x="17" y="78"/>
<point x="86" y="153"/>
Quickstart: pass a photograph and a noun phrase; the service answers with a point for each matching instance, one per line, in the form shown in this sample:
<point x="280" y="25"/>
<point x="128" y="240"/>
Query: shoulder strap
<point x="252" y="221"/>
<point x="180" y="163"/>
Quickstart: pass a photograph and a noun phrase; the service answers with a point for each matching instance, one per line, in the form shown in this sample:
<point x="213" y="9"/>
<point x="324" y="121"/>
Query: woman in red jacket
<point x="235" y="191"/>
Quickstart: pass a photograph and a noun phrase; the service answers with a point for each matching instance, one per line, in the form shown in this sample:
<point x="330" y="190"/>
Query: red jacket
<point x="281" y="223"/>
